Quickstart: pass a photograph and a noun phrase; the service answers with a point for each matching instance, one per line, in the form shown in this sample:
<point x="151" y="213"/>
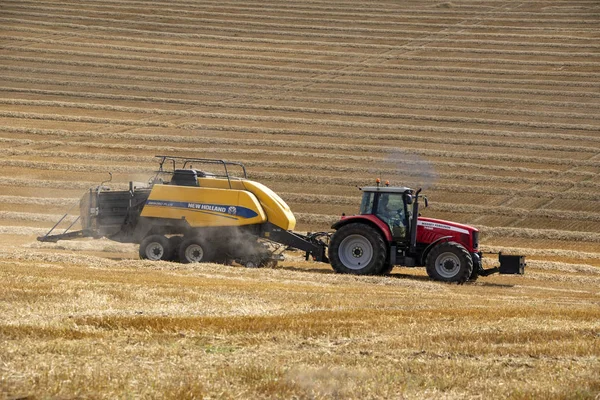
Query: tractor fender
<point x="370" y="220"/>
<point x="430" y="246"/>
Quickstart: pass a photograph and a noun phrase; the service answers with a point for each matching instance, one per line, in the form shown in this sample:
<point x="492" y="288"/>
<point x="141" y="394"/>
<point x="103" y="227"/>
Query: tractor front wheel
<point x="357" y="249"/>
<point x="449" y="262"/>
<point x="155" y="248"/>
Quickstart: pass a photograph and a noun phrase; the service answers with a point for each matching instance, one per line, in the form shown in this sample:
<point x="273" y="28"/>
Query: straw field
<point x="493" y="108"/>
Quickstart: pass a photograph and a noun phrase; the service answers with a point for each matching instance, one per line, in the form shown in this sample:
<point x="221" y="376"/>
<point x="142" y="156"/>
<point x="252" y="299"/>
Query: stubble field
<point x="492" y="107"/>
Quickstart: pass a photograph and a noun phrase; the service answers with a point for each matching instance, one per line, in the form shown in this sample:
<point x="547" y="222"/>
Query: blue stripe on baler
<point x="219" y="208"/>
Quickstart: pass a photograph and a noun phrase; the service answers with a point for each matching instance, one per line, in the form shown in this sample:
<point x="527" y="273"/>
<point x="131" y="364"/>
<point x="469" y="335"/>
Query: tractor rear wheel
<point x="357" y="249"/>
<point x="195" y="250"/>
<point x="449" y="262"/>
<point x="474" y="274"/>
<point x="155" y="248"/>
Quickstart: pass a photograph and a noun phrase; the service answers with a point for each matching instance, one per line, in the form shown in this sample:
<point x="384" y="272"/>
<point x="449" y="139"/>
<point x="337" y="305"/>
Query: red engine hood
<point x="431" y="229"/>
<point x="442" y="224"/>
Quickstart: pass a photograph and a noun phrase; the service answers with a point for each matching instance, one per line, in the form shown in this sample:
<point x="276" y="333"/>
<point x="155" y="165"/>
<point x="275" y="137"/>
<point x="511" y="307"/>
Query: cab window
<point x="390" y="209"/>
<point x="366" y="206"/>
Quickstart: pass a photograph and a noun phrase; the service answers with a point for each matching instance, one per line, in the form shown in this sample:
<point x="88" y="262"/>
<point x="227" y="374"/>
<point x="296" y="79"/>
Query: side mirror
<point x="426" y="202"/>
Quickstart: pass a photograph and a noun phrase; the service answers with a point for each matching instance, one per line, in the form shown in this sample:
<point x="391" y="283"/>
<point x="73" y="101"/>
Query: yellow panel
<point x="278" y="212"/>
<point x="220" y="183"/>
<point x="204" y="206"/>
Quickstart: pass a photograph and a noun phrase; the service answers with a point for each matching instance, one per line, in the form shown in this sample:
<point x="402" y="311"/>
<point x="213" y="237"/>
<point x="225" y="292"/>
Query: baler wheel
<point x="195" y="250"/>
<point x="449" y="262"/>
<point x="357" y="249"/>
<point x="155" y="248"/>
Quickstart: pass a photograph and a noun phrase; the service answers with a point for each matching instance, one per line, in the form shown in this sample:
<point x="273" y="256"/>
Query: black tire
<point x="449" y="262"/>
<point x="175" y="242"/>
<point x="474" y="274"/>
<point x="155" y="248"/>
<point x="387" y="269"/>
<point x="358" y="249"/>
<point x="195" y="250"/>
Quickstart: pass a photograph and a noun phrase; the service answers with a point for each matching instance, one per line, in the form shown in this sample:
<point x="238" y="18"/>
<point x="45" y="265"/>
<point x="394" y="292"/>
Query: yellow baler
<point x="212" y="204"/>
<point x="191" y="215"/>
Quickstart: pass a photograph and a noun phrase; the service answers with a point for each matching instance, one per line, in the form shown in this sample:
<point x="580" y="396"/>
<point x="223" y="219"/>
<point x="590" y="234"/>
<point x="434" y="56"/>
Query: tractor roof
<point x="386" y="189"/>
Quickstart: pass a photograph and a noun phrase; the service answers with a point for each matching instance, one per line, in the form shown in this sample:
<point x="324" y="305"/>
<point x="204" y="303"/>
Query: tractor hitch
<point x="509" y="265"/>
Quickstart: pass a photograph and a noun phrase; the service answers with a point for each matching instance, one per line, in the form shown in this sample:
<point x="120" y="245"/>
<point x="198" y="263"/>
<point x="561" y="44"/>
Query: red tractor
<point x="389" y="231"/>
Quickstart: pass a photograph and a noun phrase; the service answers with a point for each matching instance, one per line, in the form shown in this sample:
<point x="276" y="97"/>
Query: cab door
<point x="391" y="209"/>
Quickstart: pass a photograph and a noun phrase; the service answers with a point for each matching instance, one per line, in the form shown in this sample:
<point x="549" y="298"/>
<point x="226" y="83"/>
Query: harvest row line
<point x="228" y="25"/>
<point x="270" y="60"/>
<point x="338" y="101"/>
<point x="180" y="43"/>
<point x="341" y="10"/>
<point x="321" y="23"/>
<point x="373" y="149"/>
<point x="279" y="165"/>
<point x="404" y="157"/>
<point x="150" y="33"/>
<point x="282" y="78"/>
<point x="345" y="179"/>
<point x="333" y="93"/>
<point x="383" y="9"/>
<point x="267" y="67"/>
<point x="306" y="121"/>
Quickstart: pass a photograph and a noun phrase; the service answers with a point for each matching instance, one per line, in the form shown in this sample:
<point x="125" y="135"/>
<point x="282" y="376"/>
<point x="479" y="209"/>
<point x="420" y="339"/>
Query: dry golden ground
<point x="88" y="327"/>
<point x="491" y="106"/>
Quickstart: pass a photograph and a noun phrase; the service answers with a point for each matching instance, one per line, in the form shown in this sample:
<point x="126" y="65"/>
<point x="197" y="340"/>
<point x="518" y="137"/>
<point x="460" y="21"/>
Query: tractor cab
<point x="391" y="205"/>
